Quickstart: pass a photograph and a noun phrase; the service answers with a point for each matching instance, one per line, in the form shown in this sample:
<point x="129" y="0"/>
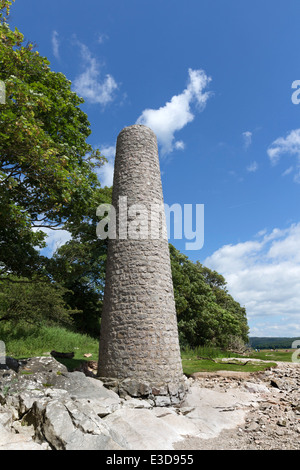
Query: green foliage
<point x="33" y="301"/>
<point x="18" y="242"/>
<point x="5" y="8"/>
<point x="80" y="264"/>
<point x="272" y="343"/>
<point x="206" y="312"/>
<point x="201" y="352"/>
<point x="46" y="165"/>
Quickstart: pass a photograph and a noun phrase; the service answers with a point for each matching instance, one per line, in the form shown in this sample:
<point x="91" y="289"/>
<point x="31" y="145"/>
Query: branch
<point x="52" y="227"/>
<point x="22" y="281"/>
<point x="237" y="363"/>
<point x="12" y="174"/>
<point x="206" y="358"/>
<point x="7" y="317"/>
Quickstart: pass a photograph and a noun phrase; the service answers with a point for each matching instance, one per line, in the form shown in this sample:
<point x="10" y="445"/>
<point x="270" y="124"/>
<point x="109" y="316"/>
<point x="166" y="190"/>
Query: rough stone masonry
<point x="139" y="351"/>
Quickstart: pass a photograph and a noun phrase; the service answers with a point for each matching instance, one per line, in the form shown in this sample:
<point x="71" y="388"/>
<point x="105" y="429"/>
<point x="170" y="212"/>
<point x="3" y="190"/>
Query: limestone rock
<point x="146" y="431"/>
<point x="78" y="412"/>
<point x="61" y="409"/>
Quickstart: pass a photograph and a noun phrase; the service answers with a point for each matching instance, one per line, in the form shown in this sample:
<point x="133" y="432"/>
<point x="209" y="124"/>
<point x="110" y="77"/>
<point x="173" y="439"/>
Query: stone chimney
<point x="139" y="351"/>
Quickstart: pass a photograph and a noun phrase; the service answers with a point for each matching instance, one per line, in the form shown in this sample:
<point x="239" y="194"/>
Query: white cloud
<point x="102" y="38"/>
<point x="247" y="137"/>
<point x="252" y="167"/>
<point x="285" y="145"/>
<point x="179" y="145"/>
<point x="289" y="145"/>
<point x="264" y="276"/>
<point x="176" y="113"/>
<point x="106" y="175"/>
<point x="288" y="171"/>
<point x="261" y="232"/>
<point x="106" y="172"/>
<point x="54" y="240"/>
<point x="109" y="151"/>
<point x="90" y="84"/>
<point x="55" y="44"/>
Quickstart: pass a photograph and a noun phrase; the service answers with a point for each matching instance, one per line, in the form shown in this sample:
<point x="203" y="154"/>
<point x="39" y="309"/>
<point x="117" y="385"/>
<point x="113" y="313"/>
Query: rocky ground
<point x="45" y="407"/>
<point x="271" y="423"/>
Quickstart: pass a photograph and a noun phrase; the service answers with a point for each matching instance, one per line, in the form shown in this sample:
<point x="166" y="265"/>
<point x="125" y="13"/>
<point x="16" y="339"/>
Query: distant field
<point x="194" y="361"/>
<point x="191" y="366"/>
<point x="210" y="359"/>
<point x="282" y="355"/>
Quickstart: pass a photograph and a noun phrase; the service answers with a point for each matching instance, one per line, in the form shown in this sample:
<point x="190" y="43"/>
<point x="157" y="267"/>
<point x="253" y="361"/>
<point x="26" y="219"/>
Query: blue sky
<point x="214" y="81"/>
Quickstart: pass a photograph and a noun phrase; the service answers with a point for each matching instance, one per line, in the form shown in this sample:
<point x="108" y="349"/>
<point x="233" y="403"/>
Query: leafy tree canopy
<point x="39" y="302"/>
<point x="206" y="313"/>
<point x="80" y="266"/>
<point x="47" y="168"/>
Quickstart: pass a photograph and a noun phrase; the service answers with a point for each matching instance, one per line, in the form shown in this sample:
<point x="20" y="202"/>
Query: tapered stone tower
<point x="139" y="350"/>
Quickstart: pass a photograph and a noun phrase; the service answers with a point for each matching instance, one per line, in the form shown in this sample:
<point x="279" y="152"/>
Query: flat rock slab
<point x="11" y="441"/>
<point x="213" y="411"/>
<point x="155" y="429"/>
<point x="204" y="414"/>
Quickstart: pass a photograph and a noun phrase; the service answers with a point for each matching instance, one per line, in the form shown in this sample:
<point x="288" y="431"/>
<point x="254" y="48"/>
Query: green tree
<point x="206" y="313"/>
<point x="80" y="265"/>
<point x="47" y="168"/>
<point x="219" y="287"/>
<point x="39" y="302"/>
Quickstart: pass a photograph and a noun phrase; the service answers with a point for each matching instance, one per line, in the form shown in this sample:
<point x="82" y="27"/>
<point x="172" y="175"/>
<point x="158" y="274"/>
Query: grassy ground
<point x="282" y="355"/>
<point x="192" y="366"/>
<point x="210" y="359"/>
<point x="23" y="342"/>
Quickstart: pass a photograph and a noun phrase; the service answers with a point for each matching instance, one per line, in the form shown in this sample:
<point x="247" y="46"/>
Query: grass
<point x="24" y="342"/>
<point x="210" y="359"/>
<point x="282" y="355"/>
<point x="205" y="352"/>
<point x="191" y="366"/>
